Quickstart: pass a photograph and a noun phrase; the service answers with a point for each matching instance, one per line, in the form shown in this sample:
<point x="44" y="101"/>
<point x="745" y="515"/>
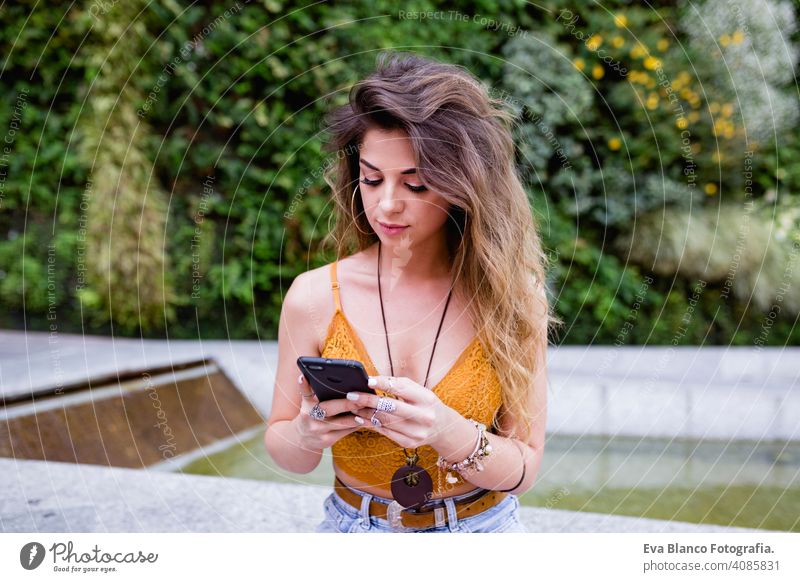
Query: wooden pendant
<point x="411" y="486"/>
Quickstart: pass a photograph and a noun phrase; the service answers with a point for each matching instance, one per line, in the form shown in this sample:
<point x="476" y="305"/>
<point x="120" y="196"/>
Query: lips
<point x="392" y="230"/>
<point x="393" y="225"/>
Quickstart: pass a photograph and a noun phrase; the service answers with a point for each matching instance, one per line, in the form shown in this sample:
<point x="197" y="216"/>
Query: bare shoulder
<point x="358" y="268"/>
<point x="308" y="303"/>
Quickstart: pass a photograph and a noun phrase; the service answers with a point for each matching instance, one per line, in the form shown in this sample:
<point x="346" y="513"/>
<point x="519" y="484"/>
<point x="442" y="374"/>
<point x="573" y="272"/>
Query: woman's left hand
<point x="419" y="415"/>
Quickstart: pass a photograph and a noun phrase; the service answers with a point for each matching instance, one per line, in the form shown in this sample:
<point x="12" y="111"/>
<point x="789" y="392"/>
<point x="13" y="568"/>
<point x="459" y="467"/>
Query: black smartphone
<point x="333" y="378"/>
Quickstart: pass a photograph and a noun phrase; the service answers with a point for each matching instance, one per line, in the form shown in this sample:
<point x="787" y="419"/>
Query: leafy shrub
<point x="228" y="100"/>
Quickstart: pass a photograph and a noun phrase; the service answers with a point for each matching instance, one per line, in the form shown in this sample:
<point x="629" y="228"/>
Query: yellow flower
<point x="652" y="103"/>
<point x="681" y="123"/>
<point x="714" y="107"/>
<point x="598" y="72"/>
<point x="724" y="128"/>
<point x="725" y="40"/>
<point x="638" y="51"/>
<point x="651" y="63"/>
<point x="620" y="20"/>
<point x="594" y="42"/>
<point x="662" y="44"/>
<point x="738" y="37"/>
<point x="686" y="93"/>
<point x="614" y="143"/>
<point x="711" y="188"/>
<point x="693" y="116"/>
<point x="650" y="84"/>
<point x="617" y="41"/>
<point x="727" y="109"/>
<point x="579" y="64"/>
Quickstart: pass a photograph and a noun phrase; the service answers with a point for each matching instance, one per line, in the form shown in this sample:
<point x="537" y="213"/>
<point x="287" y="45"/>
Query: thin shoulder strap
<point x="335" y="287"/>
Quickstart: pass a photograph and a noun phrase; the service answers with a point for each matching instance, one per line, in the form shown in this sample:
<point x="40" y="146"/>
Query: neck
<point x="415" y="263"/>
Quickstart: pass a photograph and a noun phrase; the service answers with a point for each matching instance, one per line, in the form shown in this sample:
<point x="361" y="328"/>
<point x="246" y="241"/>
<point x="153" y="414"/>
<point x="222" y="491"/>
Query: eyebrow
<point x="366" y="163"/>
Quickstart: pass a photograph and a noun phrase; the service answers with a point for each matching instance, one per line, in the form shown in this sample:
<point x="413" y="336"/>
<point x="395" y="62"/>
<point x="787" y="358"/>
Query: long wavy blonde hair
<point x="463" y="148"/>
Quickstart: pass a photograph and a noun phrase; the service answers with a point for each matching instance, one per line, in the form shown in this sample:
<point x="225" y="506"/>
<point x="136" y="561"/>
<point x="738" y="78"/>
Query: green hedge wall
<point x="164" y="171"/>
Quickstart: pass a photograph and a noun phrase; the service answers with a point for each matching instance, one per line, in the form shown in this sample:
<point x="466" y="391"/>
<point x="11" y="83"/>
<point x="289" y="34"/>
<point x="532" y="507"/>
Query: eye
<point x="412" y="187"/>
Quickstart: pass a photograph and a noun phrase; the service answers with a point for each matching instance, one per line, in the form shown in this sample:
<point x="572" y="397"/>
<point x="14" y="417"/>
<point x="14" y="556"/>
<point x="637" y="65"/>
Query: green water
<point x="736" y="483"/>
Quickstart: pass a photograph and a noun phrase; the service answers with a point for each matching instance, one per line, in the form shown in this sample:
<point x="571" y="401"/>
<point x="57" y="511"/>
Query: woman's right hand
<point x="339" y="419"/>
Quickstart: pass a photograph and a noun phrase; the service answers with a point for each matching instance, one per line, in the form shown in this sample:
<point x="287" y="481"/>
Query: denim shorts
<point x="341" y="517"/>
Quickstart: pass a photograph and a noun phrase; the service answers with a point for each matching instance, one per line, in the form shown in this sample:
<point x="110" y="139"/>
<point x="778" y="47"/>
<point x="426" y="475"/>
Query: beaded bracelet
<point x="482" y="449"/>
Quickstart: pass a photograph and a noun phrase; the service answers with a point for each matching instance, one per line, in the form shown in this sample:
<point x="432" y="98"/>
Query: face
<point x="393" y="194"/>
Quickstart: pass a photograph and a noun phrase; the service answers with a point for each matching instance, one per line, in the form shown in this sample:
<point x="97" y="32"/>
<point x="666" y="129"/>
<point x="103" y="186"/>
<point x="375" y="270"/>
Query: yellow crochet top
<point x="471" y="387"/>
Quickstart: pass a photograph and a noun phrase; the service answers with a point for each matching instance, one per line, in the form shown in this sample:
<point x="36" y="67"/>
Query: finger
<point x="340" y="405"/>
<point x="332" y="408"/>
<point x="384" y="418"/>
<point x="335" y="435"/>
<point x="401" y="409"/>
<point x="307" y="404"/>
<point x="329" y="407"/>
<point x="344" y="421"/>
<point x="400" y="386"/>
<point x="305" y="390"/>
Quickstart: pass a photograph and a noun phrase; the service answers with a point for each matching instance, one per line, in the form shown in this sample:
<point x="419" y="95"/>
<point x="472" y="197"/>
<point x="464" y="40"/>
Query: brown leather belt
<point x="425" y="516"/>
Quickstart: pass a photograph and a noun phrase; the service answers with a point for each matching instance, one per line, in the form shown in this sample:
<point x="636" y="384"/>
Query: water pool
<point x="734" y="483"/>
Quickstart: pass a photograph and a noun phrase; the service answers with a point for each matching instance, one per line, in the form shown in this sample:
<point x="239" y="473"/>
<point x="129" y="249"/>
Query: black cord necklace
<point x="411" y="484"/>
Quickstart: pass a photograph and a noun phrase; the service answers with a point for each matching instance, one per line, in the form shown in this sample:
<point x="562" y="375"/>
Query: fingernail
<point x="372" y="382"/>
<point x="352" y="396"/>
<point x="359" y="420"/>
<point x="300" y="379"/>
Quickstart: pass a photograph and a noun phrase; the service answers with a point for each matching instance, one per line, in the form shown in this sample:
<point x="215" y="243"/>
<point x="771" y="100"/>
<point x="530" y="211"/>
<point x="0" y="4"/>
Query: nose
<point x="390" y="201"/>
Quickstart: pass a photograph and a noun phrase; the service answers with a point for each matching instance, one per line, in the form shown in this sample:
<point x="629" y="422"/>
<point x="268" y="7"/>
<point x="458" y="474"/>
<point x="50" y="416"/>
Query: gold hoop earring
<point x="353" y="212"/>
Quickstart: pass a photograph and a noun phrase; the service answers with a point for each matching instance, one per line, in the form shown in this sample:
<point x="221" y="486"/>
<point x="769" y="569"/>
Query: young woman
<point x="440" y="295"/>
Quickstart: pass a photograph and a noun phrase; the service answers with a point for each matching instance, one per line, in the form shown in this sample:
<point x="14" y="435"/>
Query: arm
<point x="503" y="468"/>
<point x="295" y="338"/>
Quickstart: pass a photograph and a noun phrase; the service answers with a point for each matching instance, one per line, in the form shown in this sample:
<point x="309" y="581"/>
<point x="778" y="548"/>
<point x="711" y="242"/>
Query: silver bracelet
<point x="482" y="449"/>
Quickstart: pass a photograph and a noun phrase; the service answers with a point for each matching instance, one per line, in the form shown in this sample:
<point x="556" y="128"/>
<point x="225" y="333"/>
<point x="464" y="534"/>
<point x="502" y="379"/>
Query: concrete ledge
<point x="40" y="496"/>
<point x="713" y="392"/>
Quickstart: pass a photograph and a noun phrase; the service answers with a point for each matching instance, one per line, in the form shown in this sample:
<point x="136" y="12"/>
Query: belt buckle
<point x="394" y="514"/>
